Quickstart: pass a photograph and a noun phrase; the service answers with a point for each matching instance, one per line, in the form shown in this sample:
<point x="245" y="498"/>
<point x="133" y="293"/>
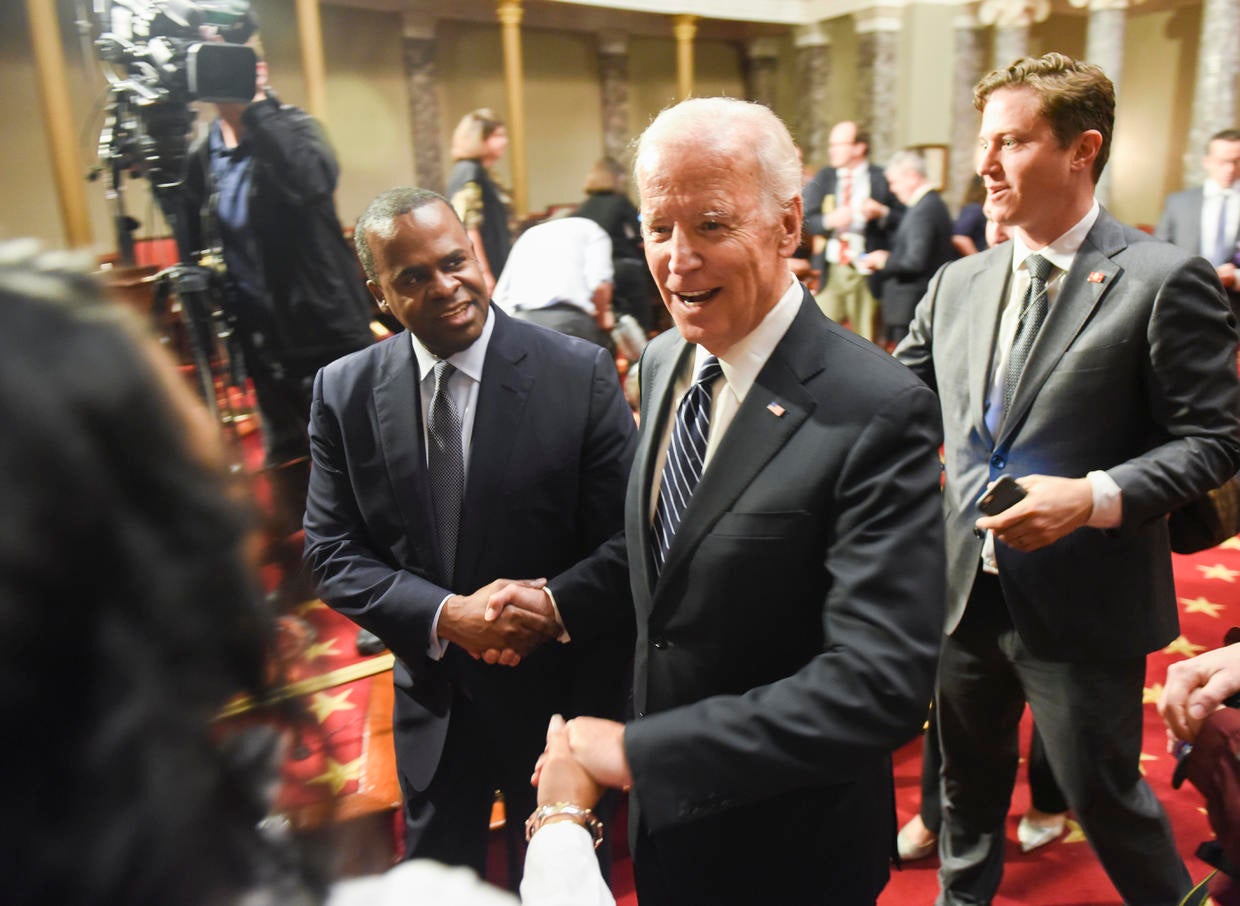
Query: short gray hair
<point x="380" y="217"/>
<point x="734" y="125"/>
<point x="908" y="160"/>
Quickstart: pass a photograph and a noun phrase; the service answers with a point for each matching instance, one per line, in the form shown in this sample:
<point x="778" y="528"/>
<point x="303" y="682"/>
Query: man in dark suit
<point x="471" y="447"/>
<point x="1206" y="220"/>
<point x="788" y="605"/>
<point x="851" y="210"/>
<point x="1097" y="367"/>
<point x="921" y="245"/>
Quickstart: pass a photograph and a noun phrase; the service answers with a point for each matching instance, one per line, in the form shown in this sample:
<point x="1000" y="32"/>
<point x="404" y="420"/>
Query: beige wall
<point x="368" y="106"/>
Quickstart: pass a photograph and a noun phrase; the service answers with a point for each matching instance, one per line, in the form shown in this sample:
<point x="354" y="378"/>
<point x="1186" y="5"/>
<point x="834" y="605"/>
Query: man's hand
<point x="876" y="260"/>
<point x="1195" y="689"/>
<point x="1053" y="508"/>
<point x="599" y="746"/>
<point x="560" y="777"/>
<point x="839" y="219"/>
<point x="874" y="210"/>
<point x="510" y="635"/>
<point x="524" y="595"/>
<point x="1227" y="274"/>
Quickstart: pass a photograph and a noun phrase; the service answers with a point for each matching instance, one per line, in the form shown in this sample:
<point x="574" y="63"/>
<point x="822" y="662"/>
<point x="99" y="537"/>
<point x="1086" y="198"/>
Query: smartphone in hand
<point x="1004" y="493"/>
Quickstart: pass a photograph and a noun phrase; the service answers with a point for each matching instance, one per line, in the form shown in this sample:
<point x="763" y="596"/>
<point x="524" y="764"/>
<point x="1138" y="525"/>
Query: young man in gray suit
<point x="1098" y="368"/>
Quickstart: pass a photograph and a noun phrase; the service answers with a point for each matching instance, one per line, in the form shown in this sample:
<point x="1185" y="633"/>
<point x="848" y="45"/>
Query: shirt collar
<point x="921" y="193"/>
<point x="747" y="356"/>
<point x="468" y="361"/>
<point x="1211" y="189"/>
<point x="1063" y="250"/>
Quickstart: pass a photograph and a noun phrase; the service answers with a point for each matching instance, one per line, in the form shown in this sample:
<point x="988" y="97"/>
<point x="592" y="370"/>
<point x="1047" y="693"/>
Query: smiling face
<point x="427" y="275"/>
<point x="717" y="247"/>
<point x="1033" y="184"/>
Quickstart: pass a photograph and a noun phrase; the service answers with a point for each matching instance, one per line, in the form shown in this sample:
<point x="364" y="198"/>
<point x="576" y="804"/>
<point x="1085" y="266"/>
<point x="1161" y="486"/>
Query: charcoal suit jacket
<point x="789" y="643"/>
<point x="552" y="443"/>
<point x="1134" y="373"/>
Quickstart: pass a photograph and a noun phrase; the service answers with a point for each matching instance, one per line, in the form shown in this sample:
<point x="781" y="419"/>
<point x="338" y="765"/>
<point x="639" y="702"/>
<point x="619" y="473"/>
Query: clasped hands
<point x="502" y="622"/>
<point x="1052" y="508"/>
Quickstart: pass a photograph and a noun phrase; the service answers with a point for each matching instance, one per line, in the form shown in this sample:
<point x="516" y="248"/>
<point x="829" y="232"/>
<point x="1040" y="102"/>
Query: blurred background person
<point x="921" y="244"/>
<point x="260" y="185"/>
<point x="969" y="230"/>
<point x="478" y="142"/>
<point x="559" y="275"/>
<point x="130" y="793"/>
<point x="607" y="204"/>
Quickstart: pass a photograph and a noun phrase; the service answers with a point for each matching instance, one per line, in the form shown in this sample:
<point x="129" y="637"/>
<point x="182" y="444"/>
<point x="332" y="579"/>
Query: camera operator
<point x="260" y="185"/>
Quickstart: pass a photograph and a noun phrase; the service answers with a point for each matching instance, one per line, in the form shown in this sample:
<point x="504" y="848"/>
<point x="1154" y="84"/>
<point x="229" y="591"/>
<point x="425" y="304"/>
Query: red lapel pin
<point x="1096" y="277"/>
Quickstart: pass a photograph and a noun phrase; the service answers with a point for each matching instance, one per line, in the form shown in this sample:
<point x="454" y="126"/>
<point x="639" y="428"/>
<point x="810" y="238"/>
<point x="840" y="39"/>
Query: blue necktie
<point x="686" y="456"/>
<point x="446" y="465"/>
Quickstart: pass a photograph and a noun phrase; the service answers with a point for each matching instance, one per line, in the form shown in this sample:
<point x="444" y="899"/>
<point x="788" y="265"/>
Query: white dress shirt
<point x="858" y="192"/>
<point x="563" y="260"/>
<point x="740" y="369"/>
<point x="1108" y="504"/>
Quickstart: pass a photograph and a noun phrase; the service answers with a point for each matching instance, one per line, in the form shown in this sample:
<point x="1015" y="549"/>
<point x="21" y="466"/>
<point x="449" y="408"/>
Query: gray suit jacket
<point x="1134" y="373"/>
<point x="1180" y="223"/>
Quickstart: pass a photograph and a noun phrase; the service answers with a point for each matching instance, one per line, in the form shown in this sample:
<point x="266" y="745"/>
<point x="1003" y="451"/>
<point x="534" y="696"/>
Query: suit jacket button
<point x="998" y="461"/>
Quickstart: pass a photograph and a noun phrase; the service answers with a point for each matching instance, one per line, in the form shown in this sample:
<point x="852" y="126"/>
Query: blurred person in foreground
<point x="1095" y="367"/>
<point x="788" y="603"/>
<point x="129" y="792"/>
<point x="478" y="142"/>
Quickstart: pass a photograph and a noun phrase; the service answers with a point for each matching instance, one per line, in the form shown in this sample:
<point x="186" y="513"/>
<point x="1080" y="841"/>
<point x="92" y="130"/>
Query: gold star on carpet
<point x="1144" y="757"/>
<point x="324" y="705"/>
<point x="338" y="775"/>
<point x="1231" y="544"/>
<point x="1184" y="647"/>
<point x="1075" y="834"/>
<point x="1151" y="694"/>
<point x="302" y="609"/>
<point x="1201" y="605"/>
<point x="1218" y="571"/>
<point x="321" y="649"/>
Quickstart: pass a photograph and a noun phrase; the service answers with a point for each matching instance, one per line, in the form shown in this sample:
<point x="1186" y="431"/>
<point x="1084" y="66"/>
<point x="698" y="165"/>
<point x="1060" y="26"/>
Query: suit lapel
<point x="755" y="435"/>
<point x="985" y="296"/>
<point x="507" y="378"/>
<point x="398" y="415"/>
<point x="1092" y="275"/>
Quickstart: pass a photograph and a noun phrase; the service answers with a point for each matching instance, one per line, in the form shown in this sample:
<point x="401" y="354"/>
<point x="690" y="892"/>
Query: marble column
<point x="684" y="28"/>
<point x="761" y="61"/>
<point x="1011" y="42"/>
<point x="971" y="63"/>
<point x="878" y="51"/>
<point x="1104" y="47"/>
<point x="613" y="79"/>
<point x="813" y="61"/>
<point x="510" y="14"/>
<point x="422" y="83"/>
<point x="1214" y="94"/>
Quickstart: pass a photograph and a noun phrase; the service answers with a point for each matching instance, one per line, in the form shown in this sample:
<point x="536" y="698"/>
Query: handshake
<point x="502" y="622"/>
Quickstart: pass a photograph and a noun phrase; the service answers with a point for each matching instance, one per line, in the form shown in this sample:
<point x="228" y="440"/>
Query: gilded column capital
<point x="684" y="27"/>
<point x="509" y="12"/>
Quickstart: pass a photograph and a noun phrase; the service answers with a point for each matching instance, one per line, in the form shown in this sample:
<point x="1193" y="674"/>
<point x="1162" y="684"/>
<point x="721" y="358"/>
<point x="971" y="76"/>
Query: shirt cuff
<point x="1108" y="501"/>
<point x="437" y="647"/>
<point x="559" y="621"/>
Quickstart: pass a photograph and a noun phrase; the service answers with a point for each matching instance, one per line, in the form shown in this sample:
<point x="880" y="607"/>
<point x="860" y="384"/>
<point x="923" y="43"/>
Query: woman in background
<point x="129" y="615"/>
<point x="969" y="230"/>
<point x="478" y="142"/>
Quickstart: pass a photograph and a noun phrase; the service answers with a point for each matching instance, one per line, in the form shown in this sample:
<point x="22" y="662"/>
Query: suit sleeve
<point x="593" y="595"/>
<point x="812" y="196"/>
<point x="1166" y="225"/>
<point x="912" y="254"/>
<point x="394" y="604"/>
<point x="867" y="691"/>
<point x="916" y="351"/>
<point x="299" y="160"/>
<point x="1193" y="394"/>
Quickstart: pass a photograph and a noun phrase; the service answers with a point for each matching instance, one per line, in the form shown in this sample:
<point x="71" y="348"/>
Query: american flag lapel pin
<point x="1096" y="277"/>
<point x="775" y="409"/>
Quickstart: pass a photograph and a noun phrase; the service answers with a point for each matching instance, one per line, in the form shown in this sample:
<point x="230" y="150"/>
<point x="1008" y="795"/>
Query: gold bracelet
<point x="582" y="817"/>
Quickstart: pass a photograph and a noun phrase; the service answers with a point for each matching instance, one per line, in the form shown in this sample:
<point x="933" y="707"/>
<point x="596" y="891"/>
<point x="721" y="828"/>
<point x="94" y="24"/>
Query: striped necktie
<point x="1032" y="314"/>
<point x="446" y="465"/>
<point x="686" y="457"/>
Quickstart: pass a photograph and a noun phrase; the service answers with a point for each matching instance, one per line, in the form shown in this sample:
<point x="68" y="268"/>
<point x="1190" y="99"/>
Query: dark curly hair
<point x="128" y="616"/>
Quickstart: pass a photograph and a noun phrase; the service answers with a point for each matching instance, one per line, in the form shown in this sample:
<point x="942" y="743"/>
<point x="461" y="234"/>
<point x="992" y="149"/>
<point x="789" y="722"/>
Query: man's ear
<point x="790" y="226"/>
<point x="1088" y="144"/>
<point x="377" y="294"/>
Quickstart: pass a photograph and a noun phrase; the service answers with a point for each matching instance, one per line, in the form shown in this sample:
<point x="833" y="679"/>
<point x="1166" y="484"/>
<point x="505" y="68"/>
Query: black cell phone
<point x="1002" y="494"/>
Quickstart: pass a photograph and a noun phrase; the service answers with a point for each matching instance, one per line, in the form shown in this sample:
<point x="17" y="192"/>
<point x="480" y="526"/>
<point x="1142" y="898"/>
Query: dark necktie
<point x="686" y="455"/>
<point x="446" y="464"/>
<point x="1032" y="314"/>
